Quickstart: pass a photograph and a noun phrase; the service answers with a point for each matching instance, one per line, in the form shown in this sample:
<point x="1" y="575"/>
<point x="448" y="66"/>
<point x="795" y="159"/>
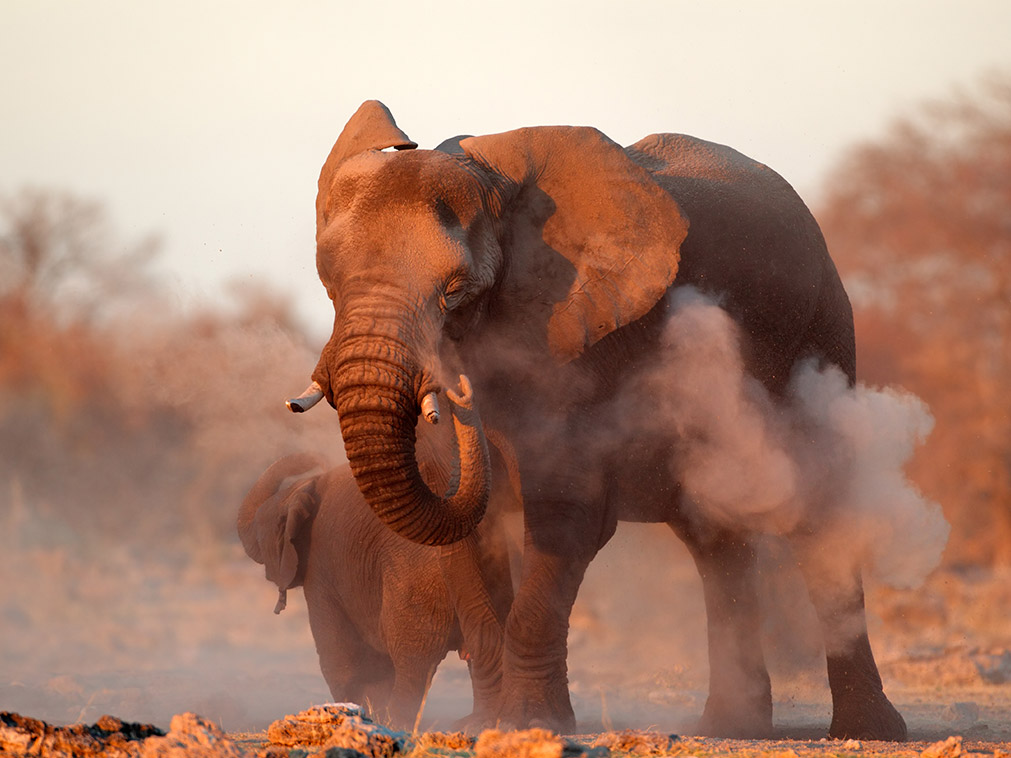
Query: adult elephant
<point x="540" y="262"/>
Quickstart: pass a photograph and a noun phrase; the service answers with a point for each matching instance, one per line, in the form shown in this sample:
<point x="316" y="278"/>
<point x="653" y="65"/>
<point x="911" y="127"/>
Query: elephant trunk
<point x="378" y="407"/>
<point x="267" y="486"/>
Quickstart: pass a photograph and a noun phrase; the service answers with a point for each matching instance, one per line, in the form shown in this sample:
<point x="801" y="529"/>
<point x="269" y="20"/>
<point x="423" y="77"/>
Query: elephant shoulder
<point x="684" y="156"/>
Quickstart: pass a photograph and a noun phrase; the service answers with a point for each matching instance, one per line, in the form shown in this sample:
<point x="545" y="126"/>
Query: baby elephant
<point x="383" y="611"/>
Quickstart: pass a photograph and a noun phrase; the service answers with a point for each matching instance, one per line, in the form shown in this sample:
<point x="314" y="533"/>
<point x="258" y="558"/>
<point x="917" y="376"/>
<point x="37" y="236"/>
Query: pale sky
<point x="207" y="122"/>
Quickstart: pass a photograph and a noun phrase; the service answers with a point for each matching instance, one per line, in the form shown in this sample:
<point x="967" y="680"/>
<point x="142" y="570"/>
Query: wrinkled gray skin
<point x="383" y="610"/>
<point x="540" y="262"/>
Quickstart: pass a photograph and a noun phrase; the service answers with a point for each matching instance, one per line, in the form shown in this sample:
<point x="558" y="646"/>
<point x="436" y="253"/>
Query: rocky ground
<point x="87" y="635"/>
<point x="343" y="731"/>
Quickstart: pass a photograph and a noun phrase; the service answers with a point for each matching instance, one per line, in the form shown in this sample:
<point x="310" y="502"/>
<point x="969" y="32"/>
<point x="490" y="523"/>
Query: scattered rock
<point x="531" y="743"/>
<point x="108" y="736"/>
<point x="189" y="736"/>
<point x="852" y="745"/>
<point x="336" y="726"/>
<point x="949" y="748"/>
<point x="638" y="743"/>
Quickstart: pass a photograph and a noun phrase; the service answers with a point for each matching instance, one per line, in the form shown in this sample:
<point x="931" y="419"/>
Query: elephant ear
<point x="282" y="522"/>
<point x="371" y="128"/>
<point x="592" y="240"/>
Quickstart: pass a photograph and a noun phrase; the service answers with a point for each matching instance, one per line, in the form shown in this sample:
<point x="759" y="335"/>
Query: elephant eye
<point x="454" y="293"/>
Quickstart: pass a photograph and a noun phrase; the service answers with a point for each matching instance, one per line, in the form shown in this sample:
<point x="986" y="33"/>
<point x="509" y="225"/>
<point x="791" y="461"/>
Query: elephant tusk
<point x="312" y="395"/>
<point x="430" y="408"/>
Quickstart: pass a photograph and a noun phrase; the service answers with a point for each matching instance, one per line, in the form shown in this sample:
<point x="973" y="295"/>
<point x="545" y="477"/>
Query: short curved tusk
<point x="430" y="408"/>
<point x="312" y="395"/>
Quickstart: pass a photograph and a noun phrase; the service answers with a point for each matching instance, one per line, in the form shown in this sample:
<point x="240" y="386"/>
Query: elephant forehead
<point x="376" y="182"/>
<point x="406" y="240"/>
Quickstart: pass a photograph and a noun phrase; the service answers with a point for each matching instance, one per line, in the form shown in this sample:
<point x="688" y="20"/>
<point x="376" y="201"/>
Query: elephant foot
<point x="555" y="716"/>
<point x="871" y="718"/>
<point x="475" y="723"/>
<point x="737" y="719"/>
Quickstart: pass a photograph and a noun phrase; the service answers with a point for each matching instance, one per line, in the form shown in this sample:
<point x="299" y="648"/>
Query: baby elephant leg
<point x="354" y="671"/>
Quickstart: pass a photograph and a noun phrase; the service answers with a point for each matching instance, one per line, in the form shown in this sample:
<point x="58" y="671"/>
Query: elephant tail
<point x="270" y="481"/>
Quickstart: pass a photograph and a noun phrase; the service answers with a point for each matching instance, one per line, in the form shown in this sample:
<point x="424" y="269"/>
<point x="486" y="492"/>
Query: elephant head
<point x="273" y="518"/>
<point x="520" y="239"/>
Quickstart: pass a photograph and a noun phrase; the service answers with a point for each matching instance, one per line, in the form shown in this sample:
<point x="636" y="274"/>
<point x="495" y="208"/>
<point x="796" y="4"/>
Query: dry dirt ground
<point x="86" y="634"/>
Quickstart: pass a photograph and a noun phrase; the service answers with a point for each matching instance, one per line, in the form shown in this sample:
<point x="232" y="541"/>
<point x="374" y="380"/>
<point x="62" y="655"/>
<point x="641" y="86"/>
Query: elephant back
<point x="269" y="483"/>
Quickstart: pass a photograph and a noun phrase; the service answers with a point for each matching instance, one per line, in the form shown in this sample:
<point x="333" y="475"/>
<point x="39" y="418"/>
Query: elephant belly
<point x="640" y="485"/>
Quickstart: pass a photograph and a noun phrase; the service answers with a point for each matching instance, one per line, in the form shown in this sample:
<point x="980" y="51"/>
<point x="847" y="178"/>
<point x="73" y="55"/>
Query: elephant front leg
<point x="535" y="690"/>
<point x="740" y="692"/>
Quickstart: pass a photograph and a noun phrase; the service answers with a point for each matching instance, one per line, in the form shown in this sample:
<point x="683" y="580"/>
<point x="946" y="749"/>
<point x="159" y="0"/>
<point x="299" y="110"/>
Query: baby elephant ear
<point x="594" y="240"/>
<point x="371" y="128"/>
<point x="301" y="506"/>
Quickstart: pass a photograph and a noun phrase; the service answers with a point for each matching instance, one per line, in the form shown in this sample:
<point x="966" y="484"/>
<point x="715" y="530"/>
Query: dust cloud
<point x="124" y="454"/>
<point x="826" y="464"/>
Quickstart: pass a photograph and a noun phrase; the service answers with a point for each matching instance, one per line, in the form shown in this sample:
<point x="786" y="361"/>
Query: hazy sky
<point x="207" y="122"/>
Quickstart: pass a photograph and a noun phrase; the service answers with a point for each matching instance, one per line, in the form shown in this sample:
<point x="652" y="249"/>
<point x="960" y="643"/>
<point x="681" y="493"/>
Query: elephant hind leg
<point x="740" y="692"/>
<point x="860" y="708"/>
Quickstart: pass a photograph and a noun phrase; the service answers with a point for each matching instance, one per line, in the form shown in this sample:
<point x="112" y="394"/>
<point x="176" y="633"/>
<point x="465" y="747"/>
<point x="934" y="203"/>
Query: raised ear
<point x="281" y="522"/>
<point x="593" y="240"/>
<point x="371" y="128"/>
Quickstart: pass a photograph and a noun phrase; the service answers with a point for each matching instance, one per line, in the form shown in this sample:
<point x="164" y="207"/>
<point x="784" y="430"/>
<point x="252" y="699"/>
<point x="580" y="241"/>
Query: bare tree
<point x="58" y="252"/>
<point x="920" y="223"/>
